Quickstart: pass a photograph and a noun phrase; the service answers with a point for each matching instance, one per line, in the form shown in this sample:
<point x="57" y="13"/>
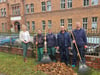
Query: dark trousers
<point x="82" y="53"/>
<point x="64" y="53"/>
<point x="51" y="53"/>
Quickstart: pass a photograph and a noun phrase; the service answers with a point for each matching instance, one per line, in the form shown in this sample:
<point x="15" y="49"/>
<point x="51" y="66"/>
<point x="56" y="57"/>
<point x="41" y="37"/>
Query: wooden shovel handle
<point x="76" y="46"/>
<point x="45" y="42"/>
<point x="36" y="47"/>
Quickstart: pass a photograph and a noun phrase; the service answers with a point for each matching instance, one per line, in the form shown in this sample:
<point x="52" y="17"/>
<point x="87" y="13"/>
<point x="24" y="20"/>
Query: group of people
<point x="61" y="42"/>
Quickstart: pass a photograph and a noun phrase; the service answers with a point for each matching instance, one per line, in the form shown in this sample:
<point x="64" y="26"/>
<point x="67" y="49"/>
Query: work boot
<point x="25" y="60"/>
<point x="73" y="66"/>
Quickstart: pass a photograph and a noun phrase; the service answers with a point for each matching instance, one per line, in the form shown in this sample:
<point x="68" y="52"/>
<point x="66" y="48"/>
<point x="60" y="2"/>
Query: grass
<point x="91" y="71"/>
<point x="14" y="65"/>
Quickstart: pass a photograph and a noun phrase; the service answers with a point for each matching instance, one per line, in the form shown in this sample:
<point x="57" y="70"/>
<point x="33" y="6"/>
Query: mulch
<point x="56" y="69"/>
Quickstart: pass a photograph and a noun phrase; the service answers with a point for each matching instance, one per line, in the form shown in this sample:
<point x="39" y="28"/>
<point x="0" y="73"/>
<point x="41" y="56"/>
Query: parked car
<point x="17" y="43"/>
<point x="8" y="40"/>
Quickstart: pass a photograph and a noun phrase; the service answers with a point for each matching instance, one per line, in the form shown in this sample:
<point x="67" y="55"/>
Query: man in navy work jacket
<point x="81" y="41"/>
<point x="51" y="44"/>
<point x="64" y="44"/>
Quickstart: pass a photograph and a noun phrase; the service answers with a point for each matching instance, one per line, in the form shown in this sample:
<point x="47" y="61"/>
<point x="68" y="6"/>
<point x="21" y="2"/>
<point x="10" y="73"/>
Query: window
<point x="4" y="0"/>
<point x="33" y="25"/>
<point x="32" y="8"/>
<point x="16" y="10"/>
<point x="94" y="2"/>
<point x="13" y="11"/>
<point x="69" y="24"/>
<point x="43" y="25"/>
<point x="2" y="12"/>
<point x="28" y="25"/>
<point x="86" y="3"/>
<point x="49" y="23"/>
<point x="94" y="22"/>
<point x="48" y="5"/>
<point x="85" y="23"/>
<point x="3" y="27"/>
<point x="62" y="4"/>
<point x="27" y="8"/>
<point x="62" y="22"/>
<point x="69" y="3"/>
<point x="43" y="6"/>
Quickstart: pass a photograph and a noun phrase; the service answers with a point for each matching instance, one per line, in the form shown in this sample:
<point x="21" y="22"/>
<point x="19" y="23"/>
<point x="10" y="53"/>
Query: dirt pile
<point x="56" y="69"/>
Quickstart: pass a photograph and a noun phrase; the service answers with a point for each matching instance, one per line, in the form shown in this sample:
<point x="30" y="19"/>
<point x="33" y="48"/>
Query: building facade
<point x="38" y="14"/>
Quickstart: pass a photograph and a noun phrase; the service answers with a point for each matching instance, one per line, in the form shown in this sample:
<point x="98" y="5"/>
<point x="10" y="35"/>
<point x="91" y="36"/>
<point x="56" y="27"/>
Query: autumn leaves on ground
<point x="14" y="65"/>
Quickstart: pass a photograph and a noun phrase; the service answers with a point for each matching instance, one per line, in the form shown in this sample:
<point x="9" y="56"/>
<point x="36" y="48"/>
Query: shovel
<point x="83" y="68"/>
<point x="46" y="59"/>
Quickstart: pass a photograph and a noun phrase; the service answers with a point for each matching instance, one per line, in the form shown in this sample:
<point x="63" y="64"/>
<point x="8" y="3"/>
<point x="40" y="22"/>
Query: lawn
<point x="14" y="65"/>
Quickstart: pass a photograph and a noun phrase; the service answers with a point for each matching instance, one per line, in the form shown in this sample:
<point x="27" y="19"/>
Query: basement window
<point x="94" y="2"/>
<point x="86" y="3"/>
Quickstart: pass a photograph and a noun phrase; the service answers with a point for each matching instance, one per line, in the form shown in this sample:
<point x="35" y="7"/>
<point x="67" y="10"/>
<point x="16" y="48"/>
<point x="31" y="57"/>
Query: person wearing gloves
<point x="81" y="41"/>
<point x="25" y="39"/>
<point x="39" y="41"/>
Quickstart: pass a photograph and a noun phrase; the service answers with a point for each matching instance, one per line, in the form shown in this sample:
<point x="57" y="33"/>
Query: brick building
<point x="52" y="13"/>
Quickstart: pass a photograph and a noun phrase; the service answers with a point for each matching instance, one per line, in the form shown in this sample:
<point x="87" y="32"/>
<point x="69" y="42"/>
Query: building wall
<point x="76" y="13"/>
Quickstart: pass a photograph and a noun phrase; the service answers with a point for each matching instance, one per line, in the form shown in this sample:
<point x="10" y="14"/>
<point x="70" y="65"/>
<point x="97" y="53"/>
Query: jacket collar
<point x="61" y="31"/>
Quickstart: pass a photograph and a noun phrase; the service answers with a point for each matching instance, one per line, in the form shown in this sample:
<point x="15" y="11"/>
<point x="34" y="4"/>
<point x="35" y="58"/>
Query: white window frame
<point x="94" y="2"/>
<point x="62" y="22"/>
<point x="85" y="23"/>
<point x="43" y="24"/>
<point x="2" y="12"/>
<point x="49" y="5"/>
<point x="3" y="27"/>
<point x="49" y="23"/>
<point x="18" y="10"/>
<point x="27" y="8"/>
<point x="28" y="25"/>
<point x="13" y="11"/>
<point x="69" y="4"/>
<point x="85" y="3"/>
<point x="43" y="6"/>
<point x="32" y="8"/>
<point x="0" y="1"/>
<point x="69" y="24"/>
<point x="4" y="0"/>
<point x="33" y="25"/>
<point x="62" y="3"/>
<point x="94" y="22"/>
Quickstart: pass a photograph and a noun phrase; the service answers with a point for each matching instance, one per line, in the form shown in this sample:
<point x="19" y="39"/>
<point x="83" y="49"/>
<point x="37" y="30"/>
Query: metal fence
<point x="93" y="38"/>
